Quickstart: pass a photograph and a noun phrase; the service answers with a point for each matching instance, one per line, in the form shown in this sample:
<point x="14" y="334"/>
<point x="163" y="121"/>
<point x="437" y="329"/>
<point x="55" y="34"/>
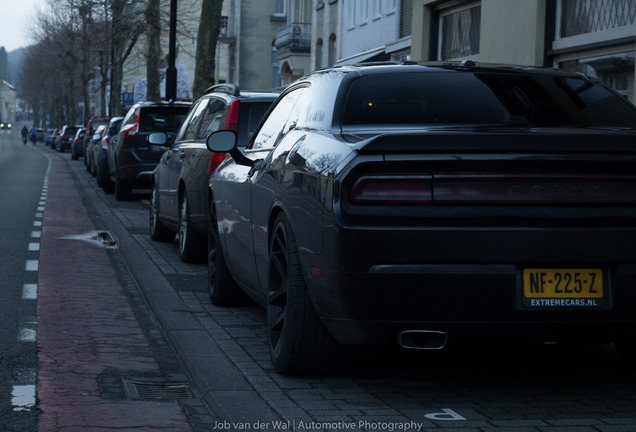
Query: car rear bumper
<point x="139" y="176"/>
<point x="370" y="285"/>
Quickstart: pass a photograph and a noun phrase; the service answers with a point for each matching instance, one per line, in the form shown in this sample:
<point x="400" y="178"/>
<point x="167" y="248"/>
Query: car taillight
<point x="378" y="189"/>
<point x="215" y="161"/>
<point x="233" y="116"/>
<point x="132" y="131"/>
<point x="105" y="143"/>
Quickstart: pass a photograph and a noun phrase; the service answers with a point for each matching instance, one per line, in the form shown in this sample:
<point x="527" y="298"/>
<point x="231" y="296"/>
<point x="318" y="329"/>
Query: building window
<point x="376" y="9"/>
<point x="223" y="30"/>
<point x="331" y="50"/>
<point x="459" y="31"/>
<point x="363" y="11"/>
<point x="319" y="48"/>
<point x="279" y="8"/>
<point x="350" y="13"/>
<point x="588" y="16"/>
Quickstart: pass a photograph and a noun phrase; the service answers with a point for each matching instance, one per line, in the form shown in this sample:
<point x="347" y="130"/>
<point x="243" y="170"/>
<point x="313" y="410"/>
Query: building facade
<point x="270" y="43"/>
<point x="7" y="101"/>
<point x="597" y="37"/>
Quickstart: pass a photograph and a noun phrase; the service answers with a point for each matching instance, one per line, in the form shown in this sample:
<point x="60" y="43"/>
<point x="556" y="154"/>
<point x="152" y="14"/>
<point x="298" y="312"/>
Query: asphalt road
<point x="22" y="190"/>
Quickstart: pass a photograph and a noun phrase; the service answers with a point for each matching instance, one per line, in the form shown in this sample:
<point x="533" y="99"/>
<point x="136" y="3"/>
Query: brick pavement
<point x="497" y="388"/>
<point x="86" y="327"/>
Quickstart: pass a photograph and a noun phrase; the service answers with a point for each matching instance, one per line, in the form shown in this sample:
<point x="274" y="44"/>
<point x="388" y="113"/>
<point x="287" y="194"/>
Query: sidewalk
<point x="86" y="328"/>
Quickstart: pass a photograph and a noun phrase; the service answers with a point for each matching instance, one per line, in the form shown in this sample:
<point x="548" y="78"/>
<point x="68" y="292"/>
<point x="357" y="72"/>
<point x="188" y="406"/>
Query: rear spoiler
<point x="481" y="141"/>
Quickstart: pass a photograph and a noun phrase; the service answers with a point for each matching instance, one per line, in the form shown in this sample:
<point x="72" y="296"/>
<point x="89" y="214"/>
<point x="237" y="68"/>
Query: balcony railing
<point x="295" y="37"/>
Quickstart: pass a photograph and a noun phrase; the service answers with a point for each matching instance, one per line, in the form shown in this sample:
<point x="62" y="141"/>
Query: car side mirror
<point x="158" y="138"/>
<point x="224" y="141"/>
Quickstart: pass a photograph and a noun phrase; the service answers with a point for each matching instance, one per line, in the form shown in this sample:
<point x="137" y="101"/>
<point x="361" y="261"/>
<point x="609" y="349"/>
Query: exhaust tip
<point x="422" y="339"/>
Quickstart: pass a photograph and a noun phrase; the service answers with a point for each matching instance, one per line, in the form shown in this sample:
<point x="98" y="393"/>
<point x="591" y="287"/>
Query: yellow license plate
<point x="563" y="287"/>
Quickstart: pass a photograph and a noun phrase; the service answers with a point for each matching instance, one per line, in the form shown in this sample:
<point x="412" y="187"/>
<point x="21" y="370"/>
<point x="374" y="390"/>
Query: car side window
<point x="190" y="127"/>
<point x="211" y="118"/>
<point x="275" y="125"/>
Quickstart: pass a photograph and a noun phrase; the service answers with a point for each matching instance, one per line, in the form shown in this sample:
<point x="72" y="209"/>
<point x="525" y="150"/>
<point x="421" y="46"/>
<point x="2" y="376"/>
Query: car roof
<point x="163" y="104"/>
<point x="233" y="91"/>
<point x="370" y="68"/>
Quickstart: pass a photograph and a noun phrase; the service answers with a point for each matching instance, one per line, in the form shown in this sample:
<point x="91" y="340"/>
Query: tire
<point x="158" y="232"/>
<point x="222" y="288"/>
<point x="298" y="342"/>
<point x="192" y="248"/>
<point x="122" y="189"/>
<point x="99" y="177"/>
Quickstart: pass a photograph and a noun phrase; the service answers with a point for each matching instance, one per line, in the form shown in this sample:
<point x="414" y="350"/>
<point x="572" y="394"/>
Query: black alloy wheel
<point x="298" y="342"/>
<point x="192" y="248"/>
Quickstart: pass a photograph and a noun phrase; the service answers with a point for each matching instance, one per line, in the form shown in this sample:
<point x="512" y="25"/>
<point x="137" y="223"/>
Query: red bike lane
<point x="86" y="327"/>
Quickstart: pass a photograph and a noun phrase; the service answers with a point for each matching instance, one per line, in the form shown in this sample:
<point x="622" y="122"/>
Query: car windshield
<point x="482" y="98"/>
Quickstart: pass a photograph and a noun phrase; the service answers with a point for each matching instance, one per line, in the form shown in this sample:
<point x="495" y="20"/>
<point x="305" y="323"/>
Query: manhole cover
<point x="156" y="391"/>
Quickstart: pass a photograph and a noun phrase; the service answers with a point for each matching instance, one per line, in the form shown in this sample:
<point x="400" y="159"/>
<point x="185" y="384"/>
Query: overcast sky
<point x="14" y="21"/>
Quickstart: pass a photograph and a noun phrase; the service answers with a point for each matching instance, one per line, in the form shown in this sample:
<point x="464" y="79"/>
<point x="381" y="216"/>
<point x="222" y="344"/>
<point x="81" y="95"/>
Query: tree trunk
<point x="153" y="57"/>
<point x="208" y="35"/>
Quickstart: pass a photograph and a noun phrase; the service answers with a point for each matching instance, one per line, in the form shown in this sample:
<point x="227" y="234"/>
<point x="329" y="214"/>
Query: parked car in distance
<point x="77" y="144"/>
<point x="4" y="124"/>
<point x="429" y="205"/>
<point x="100" y="154"/>
<point x="54" y="137"/>
<point x="131" y="159"/>
<point x="92" y="142"/>
<point x="65" y="138"/>
<point x="179" y="202"/>
<point x="91" y="129"/>
<point x="39" y="134"/>
<point x="48" y="136"/>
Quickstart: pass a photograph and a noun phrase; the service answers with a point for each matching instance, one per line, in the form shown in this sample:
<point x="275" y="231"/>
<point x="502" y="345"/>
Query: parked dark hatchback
<point x="425" y="204"/>
<point x="77" y="144"/>
<point x="180" y="182"/>
<point x="131" y="159"/>
<point x="100" y="154"/>
<point x="64" y="139"/>
<point x="91" y="128"/>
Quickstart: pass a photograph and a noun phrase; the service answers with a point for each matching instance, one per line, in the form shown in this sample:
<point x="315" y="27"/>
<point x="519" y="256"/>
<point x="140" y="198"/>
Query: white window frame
<point x="607" y="35"/>
<point x="277" y="5"/>
<point x="448" y="9"/>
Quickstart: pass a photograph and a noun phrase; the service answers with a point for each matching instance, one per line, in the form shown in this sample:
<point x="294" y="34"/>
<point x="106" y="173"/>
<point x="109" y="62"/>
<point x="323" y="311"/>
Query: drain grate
<point x="127" y="385"/>
<point x="156" y="391"/>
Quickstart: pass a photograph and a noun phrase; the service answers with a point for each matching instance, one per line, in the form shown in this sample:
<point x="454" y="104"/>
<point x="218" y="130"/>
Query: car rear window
<point x="161" y="118"/>
<point x="483" y="98"/>
<point x="96" y="124"/>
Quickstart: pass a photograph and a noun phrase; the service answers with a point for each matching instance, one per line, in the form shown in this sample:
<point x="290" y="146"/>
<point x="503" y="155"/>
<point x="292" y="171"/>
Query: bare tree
<point x="209" y="28"/>
<point x="153" y="55"/>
